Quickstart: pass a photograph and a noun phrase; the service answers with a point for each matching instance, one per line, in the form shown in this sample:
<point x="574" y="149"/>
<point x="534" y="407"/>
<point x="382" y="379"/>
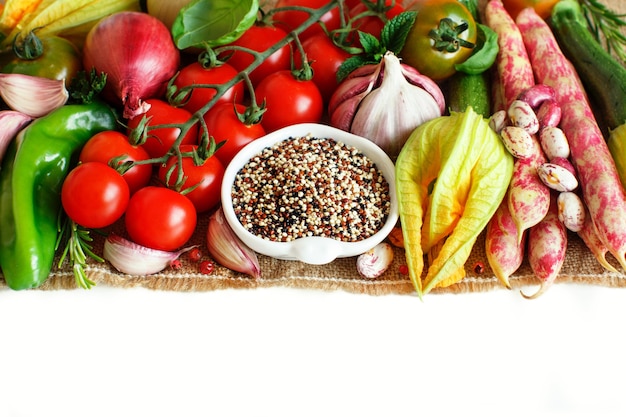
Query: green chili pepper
<point x="31" y="176"/>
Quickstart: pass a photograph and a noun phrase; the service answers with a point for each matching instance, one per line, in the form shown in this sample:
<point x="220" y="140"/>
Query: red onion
<point x="138" y="55"/>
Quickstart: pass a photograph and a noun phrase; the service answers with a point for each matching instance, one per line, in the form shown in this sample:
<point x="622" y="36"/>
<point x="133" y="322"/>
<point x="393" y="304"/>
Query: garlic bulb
<point x="31" y="95"/>
<point x="385" y="102"/>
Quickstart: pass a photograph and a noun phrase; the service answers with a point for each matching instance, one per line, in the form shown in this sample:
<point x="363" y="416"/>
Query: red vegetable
<point x="138" y="55"/>
<point x="504" y="251"/>
<point x="602" y="190"/>
<point x="515" y="73"/>
<point x="547" y="244"/>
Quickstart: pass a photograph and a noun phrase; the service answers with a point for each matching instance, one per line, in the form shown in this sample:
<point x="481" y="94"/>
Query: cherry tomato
<point x="225" y="126"/>
<point x="160" y="140"/>
<point x="57" y="59"/>
<point x="374" y="24"/>
<point x="420" y="51"/>
<point x="104" y="146"/>
<point x="160" y="218"/>
<point x="94" y="195"/>
<point x="289" y="20"/>
<point x="195" y="73"/>
<point x="259" y="38"/>
<point x="325" y="58"/>
<point x="205" y="178"/>
<point x="542" y="7"/>
<point x="289" y="101"/>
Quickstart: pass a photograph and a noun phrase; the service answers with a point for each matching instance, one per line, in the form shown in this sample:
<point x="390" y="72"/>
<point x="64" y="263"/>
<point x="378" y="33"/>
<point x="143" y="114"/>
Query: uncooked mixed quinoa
<point x="310" y="186"/>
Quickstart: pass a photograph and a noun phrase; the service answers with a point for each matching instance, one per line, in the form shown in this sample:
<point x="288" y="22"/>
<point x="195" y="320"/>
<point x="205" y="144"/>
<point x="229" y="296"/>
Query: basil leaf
<point x="213" y="22"/>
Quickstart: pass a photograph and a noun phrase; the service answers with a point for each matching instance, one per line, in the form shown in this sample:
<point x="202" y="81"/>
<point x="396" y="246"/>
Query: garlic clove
<point x="31" y="95"/>
<point x="376" y="261"/>
<point x="12" y="122"/>
<point x="228" y="250"/>
<point x="133" y="259"/>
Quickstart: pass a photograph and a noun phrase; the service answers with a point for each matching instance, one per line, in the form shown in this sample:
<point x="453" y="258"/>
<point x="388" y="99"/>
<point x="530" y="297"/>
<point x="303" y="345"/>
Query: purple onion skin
<point x="138" y="55"/>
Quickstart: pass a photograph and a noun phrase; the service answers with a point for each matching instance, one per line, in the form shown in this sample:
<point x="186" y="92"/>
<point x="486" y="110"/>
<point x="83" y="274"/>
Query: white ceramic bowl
<point x="312" y="250"/>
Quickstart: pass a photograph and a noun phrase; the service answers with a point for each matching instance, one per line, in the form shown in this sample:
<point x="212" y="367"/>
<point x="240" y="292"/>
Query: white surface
<point x="282" y="352"/>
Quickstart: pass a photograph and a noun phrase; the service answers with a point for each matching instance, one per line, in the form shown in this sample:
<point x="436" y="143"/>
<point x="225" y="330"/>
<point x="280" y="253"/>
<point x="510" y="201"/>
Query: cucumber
<point x="603" y="77"/>
<point x="469" y="90"/>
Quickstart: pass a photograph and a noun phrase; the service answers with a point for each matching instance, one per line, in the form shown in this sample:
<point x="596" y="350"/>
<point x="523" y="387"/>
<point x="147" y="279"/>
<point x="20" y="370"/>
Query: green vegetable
<point x="451" y="176"/>
<point x="31" y="177"/>
<point x="469" y="90"/>
<point x="213" y="22"/>
<point x="485" y="52"/>
<point x="603" y="76"/>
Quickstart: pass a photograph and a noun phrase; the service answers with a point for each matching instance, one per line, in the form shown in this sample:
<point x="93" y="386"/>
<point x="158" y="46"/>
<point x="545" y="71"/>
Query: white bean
<point x="554" y="143"/>
<point x="521" y="114"/>
<point x="557" y="177"/>
<point x="571" y="210"/>
<point x="517" y="141"/>
<point x="374" y="262"/>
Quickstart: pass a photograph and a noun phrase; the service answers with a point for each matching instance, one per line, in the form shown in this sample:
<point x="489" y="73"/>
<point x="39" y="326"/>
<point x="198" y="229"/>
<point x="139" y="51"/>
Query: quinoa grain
<point x="311" y="186"/>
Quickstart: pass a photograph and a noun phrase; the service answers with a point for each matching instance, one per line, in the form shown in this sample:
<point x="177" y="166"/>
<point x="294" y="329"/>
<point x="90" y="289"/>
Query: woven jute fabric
<point x="580" y="267"/>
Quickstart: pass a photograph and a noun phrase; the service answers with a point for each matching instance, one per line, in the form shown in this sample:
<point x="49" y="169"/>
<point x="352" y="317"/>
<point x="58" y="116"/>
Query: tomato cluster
<point x="165" y="166"/>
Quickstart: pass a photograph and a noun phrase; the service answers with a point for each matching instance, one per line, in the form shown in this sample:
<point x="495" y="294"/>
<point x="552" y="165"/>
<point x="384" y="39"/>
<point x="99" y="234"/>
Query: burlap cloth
<point x="580" y="267"/>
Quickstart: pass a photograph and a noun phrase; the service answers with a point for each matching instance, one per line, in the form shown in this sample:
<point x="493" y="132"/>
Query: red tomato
<point x="206" y="178"/>
<point x="225" y="126"/>
<point x="288" y="20"/>
<point x="160" y="218"/>
<point x="288" y="101"/>
<point x="325" y="58"/>
<point x="195" y="73"/>
<point x="94" y="195"/>
<point x="259" y="38"/>
<point x="374" y="24"/>
<point x="160" y="140"/>
<point x="104" y="146"/>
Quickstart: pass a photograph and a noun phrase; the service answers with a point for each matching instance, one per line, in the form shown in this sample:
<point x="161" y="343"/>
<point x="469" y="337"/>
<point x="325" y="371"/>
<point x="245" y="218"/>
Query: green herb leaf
<point x="396" y="30"/>
<point x="213" y="22"/>
<point x="484" y="54"/>
<point x="351" y="64"/>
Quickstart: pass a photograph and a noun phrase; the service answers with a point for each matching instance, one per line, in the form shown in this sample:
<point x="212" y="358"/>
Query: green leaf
<point x="351" y="64"/>
<point x="213" y="22"/>
<point x="396" y="30"/>
<point x="370" y="43"/>
<point x="484" y="54"/>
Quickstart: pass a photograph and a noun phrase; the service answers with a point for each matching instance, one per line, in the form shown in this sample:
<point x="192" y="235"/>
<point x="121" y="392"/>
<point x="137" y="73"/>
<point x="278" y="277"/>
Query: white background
<point x="287" y="352"/>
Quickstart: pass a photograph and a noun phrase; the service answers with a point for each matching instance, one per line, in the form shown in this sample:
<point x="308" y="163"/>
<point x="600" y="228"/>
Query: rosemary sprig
<point x="607" y="26"/>
<point x="78" y="245"/>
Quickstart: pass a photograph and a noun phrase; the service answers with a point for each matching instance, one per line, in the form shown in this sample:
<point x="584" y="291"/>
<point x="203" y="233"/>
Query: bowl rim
<point x="315" y="249"/>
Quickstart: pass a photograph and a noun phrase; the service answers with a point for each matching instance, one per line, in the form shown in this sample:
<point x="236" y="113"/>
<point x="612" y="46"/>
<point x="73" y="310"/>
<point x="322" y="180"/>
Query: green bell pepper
<point x="31" y="177"/>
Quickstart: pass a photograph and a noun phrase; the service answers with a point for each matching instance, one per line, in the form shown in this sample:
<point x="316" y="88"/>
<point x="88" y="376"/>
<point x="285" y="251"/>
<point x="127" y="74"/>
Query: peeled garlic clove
<point x="228" y="250"/>
<point x="133" y="259"/>
<point x="12" y="122"/>
<point x="31" y="95"/>
<point x="376" y="261"/>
